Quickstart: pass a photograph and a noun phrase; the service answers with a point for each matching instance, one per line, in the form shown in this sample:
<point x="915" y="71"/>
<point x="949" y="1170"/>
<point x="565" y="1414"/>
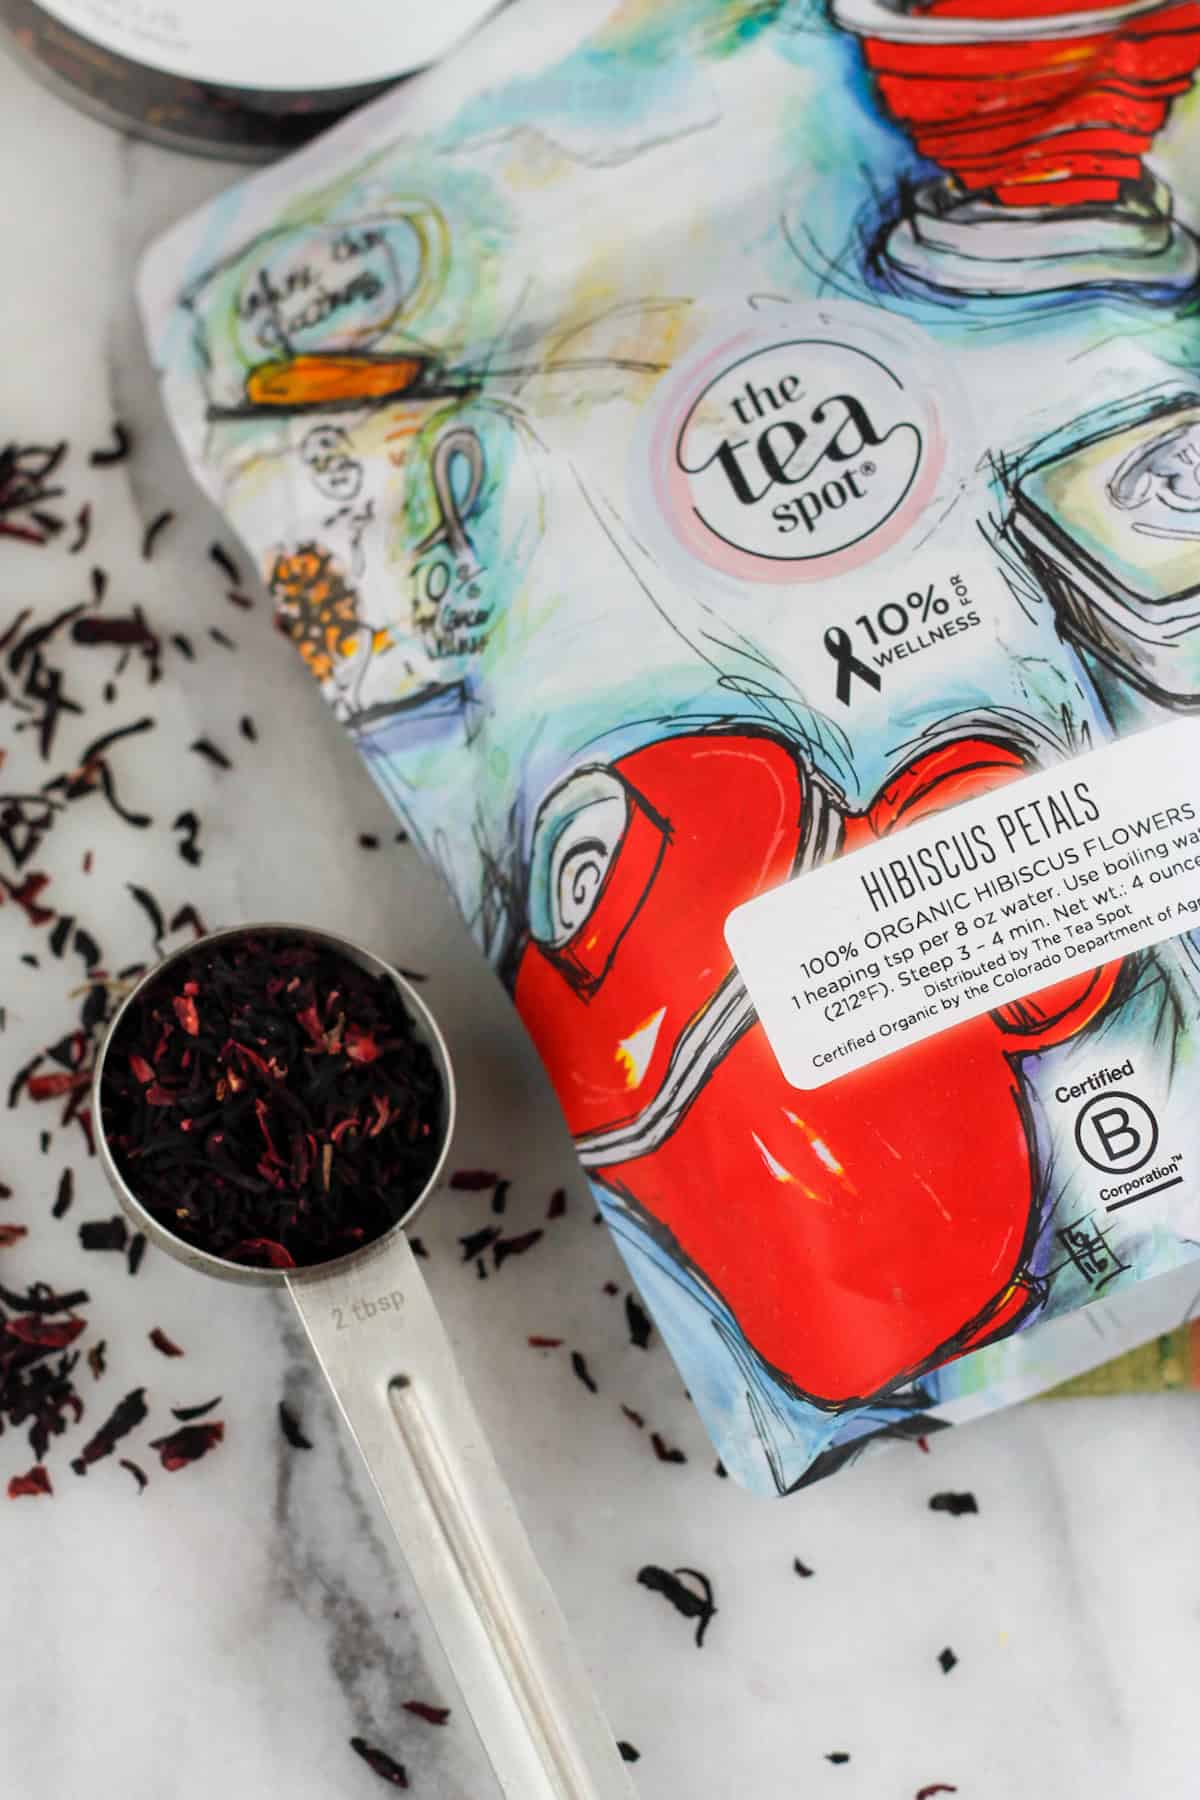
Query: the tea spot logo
<point x="794" y="458"/>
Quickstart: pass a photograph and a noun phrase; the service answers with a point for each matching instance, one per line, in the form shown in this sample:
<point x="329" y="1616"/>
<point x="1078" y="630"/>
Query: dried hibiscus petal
<point x="185" y="1012"/>
<point x="432" y="1715"/>
<point x="49" y="1087"/>
<point x="47" y="1334"/>
<point x="124" y="1418"/>
<point x="383" y="1765"/>
<point x="36" y="1482"/>
<point x="262" y="1253"/>
<point x="188" y="1444"/>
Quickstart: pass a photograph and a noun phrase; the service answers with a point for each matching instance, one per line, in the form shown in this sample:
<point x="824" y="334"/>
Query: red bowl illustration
<point x="1037" y="103"/>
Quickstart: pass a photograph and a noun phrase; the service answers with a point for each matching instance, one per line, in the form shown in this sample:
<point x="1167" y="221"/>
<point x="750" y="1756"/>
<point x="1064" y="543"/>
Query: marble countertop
<point x="233" y="1627"/>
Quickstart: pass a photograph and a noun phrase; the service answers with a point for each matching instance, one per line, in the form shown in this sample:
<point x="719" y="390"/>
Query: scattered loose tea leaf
<point x="837" y="1756"/>
<point x="248" y="728"/>
<point x="65" y="1195"/>
<point x="42" y="1299"/>
<point x="686" y="1600"/>
<point x="558" y="1204"/>
<point x="221" y="637"/>
<point x="137" y="1249"/>
<point x="937" y="1787"/>
<point x="149" y="906"/>
<point x="187" y="1445"/>
<point x="514" y="1246"/>
<point x="189" y="824"/>
<point x="87" y="947"/>
<point x="185" y="1413"/>
<point x="368" y="840"/>
<point x="421" y="1709"/>
<point x="224" y="561"/>
<point x="663" y="1450"/>
<point x="721" y="1470"/>
<point x="116" y="452"/>
<point x="635" y="1418"/>
<point x="205" y="747"/>
<point x="947" y="1660"/>
<point x="138" y="1474"/>
<point x="628" y="1753"/>
<point x="475" y="1242"/>
<point x="291" y="1428"/>
<point x="500" y="1198"/>
<point x="584" y="1373"/>
<point x="187" y="915"/>
<point x="83" y="529"/>
<point x="954" y="1504"/>
<point x="183" y="645"/>
<point x="473" y="1180"/>
<point x="801" y="1568"/>
<point x="545" y="1343"/>
<point x="638" y="1321"/>
<point x="383" y="1765"/>
<point x="33" y="1484"/>
<point x="125" y="1417"/>
<point x="163" y="1343"/>
<point x="96" y="1359"/>
<point x="154" y="531"/>
<point x="104" y="1234"/>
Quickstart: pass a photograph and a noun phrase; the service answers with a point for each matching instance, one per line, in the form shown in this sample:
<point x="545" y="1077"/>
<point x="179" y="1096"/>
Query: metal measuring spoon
<point x="372" y="1322"/>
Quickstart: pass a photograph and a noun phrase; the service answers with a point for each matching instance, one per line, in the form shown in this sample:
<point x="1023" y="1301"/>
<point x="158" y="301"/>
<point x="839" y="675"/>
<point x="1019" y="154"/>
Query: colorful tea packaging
<point x="732" y="468"/>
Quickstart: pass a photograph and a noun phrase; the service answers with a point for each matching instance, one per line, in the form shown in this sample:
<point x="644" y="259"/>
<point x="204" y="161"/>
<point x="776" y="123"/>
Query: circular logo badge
<point x="795" y="454"/>
<point x="1116" y="1132"/>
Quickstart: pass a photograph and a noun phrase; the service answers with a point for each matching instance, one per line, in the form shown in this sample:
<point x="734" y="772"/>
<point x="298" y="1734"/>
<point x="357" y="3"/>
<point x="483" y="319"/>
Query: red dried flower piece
<point x="185" y="1011"/>
<point x="385" y="1766"/>
<point x="49" y="1087"/>
<point x="188" y="1444"/>
<point x="264" y="1252"/>
<point x="46" y="1334"/>
<point x="161" y="1341"/>
<point x="432" y="1715"/>
<point x="308" y="1021"/>
<point x="35" y="1483"/>
<point x="360" y="1045"/>
<point x="12" y="1234"/>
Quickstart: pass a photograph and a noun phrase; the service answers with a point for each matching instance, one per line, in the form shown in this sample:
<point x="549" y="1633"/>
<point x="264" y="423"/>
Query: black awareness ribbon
<point x="838" y="644"/>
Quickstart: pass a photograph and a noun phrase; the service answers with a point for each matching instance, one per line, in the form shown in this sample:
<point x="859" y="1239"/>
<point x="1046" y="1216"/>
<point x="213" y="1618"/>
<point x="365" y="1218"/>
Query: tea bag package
<point x="733" y="466"/>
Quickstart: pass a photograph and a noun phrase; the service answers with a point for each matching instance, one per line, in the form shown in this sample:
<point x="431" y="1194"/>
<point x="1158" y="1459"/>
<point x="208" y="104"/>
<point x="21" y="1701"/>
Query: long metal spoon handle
<point x="386" y="1356"/>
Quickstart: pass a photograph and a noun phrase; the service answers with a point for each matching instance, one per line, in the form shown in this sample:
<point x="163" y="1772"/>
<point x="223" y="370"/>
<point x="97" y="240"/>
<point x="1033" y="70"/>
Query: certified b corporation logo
<point x="794" y="457"/>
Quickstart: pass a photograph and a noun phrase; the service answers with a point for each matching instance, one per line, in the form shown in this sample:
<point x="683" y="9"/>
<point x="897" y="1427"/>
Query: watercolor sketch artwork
<point x="694" y="442"/>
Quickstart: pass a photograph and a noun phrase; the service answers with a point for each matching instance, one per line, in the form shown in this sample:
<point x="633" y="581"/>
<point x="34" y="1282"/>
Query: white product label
<point x="977" y="906"/>
<point x="258" y="44"/>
